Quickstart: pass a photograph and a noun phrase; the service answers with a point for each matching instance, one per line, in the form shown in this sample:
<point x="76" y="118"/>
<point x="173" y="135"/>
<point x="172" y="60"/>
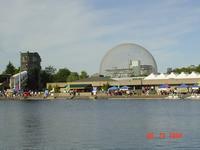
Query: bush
<point x="57" y="89"/>
<point x="50" y="87"/>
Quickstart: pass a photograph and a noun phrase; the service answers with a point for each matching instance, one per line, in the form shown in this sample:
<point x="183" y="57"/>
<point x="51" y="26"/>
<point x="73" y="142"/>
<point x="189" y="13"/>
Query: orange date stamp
<point x="164" y="135"/>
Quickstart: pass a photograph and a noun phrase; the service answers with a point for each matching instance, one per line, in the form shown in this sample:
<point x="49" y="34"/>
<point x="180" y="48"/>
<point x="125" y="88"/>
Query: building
<point x="135" y="66"/>
<point x="30" y="62"/>
<point x="128" y="60"/>
<point x="153" y="80"/>
<point x="119" y="73"/>
<point x="146" y="70"/>
<point x="18" y="81"/>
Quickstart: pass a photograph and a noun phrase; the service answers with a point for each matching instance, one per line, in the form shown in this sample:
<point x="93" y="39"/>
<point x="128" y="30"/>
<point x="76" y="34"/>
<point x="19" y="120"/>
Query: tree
<point x="47" y="75"/>
<point x="83" y="75"/>
<point x="56" y="89"/>
<point x="10" y="69"/>
<point x="73" y="77"/>
<point x="50" y="70"/>
<point x="44" y="78"/>
<point x="189" y="69"/>
<point x="33" y="82"/>
<point x="50" y="87"/>
<point x="105" y="87"/>
<point x="62" y="75"/>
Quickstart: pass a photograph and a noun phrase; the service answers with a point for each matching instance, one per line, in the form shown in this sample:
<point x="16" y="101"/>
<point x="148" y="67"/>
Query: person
<point x="46" y="93"/>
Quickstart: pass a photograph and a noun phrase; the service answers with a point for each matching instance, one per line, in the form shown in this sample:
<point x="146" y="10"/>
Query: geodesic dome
<point x="120" y="56"/>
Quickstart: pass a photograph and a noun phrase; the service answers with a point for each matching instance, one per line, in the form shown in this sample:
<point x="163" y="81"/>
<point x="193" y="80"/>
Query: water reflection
<point x="31" y="126"/>
<point x="97" y="124"/>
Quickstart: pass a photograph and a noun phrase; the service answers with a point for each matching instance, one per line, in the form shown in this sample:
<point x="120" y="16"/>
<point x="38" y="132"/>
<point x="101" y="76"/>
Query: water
<point x="98" y="125"/>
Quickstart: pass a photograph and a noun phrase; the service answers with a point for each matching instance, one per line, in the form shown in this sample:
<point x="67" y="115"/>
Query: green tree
<point x="57" y="89"/>
<point x="17" y="70"/>
<point x="34" y="82"/>
<point x="198" y="68"/>
<point x="105" y="87"/>
<point x="50" y="70"/>
<point x="187" y="69"/>
<point x="47" y="75"/>
<point x="50" y="87"/>
<point x="83" y="75"/>
<point x="10" y="69"/>
<point x="73" y="77"/>
<point x="62" y="75"/>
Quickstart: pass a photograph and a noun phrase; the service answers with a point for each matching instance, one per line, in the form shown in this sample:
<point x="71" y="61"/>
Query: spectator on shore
<point x="46" y="93"/>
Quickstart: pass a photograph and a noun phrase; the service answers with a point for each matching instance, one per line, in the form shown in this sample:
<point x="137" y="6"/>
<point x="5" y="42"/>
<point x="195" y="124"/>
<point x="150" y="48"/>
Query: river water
<point x="99" y="125"/>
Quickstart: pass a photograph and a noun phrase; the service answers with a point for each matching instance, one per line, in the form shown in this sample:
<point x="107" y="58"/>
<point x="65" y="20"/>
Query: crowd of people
<point x="120" y="92"/>
<point x="14" y="93"/>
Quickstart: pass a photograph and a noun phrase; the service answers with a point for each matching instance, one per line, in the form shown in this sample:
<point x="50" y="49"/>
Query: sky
<point x="76" y="34"/>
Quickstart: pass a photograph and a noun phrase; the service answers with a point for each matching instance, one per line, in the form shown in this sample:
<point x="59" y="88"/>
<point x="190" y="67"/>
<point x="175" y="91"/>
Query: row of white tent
<point x="173" y="75"/>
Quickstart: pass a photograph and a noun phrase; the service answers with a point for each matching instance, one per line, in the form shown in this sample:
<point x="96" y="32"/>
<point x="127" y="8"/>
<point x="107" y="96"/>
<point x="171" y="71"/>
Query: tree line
<point x="50" y="74"/>
<point x="188" y="69"/>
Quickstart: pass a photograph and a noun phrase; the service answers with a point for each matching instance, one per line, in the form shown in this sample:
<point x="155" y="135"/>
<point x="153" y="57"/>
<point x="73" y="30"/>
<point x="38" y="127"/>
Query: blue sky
<point x="76" y="34"/>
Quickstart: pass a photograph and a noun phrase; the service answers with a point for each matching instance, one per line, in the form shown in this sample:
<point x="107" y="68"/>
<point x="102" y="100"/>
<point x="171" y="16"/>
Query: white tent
<point x="193" y="75"/>
<point x="152" y="76"/>
<point x="172" y="75"/>
<point x="161" y="76"/>
<point x="182" y="75"/>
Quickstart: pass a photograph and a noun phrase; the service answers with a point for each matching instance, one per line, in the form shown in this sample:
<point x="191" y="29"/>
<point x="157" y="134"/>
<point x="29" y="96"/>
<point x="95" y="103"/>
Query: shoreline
<point x="88" y="96"/>
<point x="141" y="97"/>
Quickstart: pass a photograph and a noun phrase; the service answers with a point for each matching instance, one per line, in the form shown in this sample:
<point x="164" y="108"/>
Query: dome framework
<point x="126" y="60"/>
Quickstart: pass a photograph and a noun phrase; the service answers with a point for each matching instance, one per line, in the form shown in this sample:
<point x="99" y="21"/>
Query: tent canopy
<point x="183" y="86"/>
<point x="195" y="87"/>
<point x="161" y="76"/>
<point x="163" y="86"/>
<point x="125" y="88"/>
<point x="151" y="76"/>
<point x="113" y="88"/>
<point x="182" y="75"/>
<point x="171" y="76"/>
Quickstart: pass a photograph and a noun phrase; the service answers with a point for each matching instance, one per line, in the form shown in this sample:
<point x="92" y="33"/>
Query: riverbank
<point x="89" y="97"/>
<point x="100" y="96"/>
